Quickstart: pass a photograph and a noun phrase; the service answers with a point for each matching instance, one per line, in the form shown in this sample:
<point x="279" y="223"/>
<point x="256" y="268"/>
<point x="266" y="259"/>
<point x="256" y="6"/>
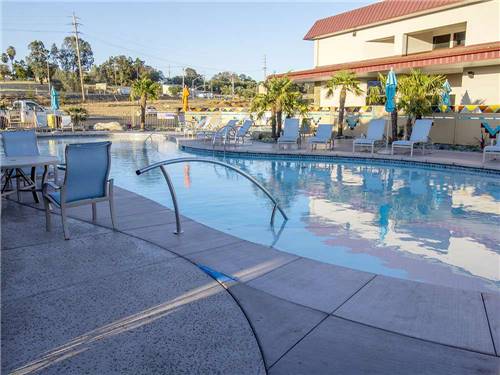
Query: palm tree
<point x="11" y="52"/>
<point x="281" y="96"/>
<point x="347" y="82"/>
<point x="144" y="89"/>
<point x="417" y="94"/>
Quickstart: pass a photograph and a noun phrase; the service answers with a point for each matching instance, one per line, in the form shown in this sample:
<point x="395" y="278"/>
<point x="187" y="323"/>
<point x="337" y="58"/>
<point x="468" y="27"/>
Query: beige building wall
<point x="482" y="21"/>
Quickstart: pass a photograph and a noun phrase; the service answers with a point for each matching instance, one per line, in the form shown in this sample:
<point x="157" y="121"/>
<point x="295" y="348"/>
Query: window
<point x="441" y="41"/>
<point x="459" y="39"/>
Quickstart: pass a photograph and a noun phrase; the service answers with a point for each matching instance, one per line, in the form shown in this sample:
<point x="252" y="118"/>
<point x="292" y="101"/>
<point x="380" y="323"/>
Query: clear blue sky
<point x="210" y="36"/>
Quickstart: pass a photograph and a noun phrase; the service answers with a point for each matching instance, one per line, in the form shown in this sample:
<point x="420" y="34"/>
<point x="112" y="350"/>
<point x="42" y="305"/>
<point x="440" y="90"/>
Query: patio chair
<point x="85" y="182"/>
<point x="491" y="149"/>
<point x="190" y="127"/>
<point x="290" y="132"/>
<point x="222" y="135"/>
<point x="419" y="134"/>
<point x="323" y="136"/>
<point x="21" y="143"/>
<point x="206" y="131"/>
<point x="243" y="131"/>
<point x="374" y="135"/>
<point x="66" y="123"/>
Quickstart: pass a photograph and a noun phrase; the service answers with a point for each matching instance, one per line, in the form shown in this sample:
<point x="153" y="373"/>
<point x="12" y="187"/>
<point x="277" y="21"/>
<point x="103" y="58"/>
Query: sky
<point x="210" y="36"/>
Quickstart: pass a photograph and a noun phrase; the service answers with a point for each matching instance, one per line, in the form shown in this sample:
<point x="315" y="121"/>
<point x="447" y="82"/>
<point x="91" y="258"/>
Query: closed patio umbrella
<point x="185" y="99"/>
<point x="391" y="85"/>
<point x="54" y="99"/>
<point x="445" y="96"/>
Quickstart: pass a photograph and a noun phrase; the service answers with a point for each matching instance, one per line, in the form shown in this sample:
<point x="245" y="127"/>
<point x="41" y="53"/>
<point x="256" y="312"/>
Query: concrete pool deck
<point x="343" y="148"/>
<point x="135" y="300"/>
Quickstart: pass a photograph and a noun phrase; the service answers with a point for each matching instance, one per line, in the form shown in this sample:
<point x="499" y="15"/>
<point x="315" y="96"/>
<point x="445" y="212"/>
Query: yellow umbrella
<point x="185" y="99"/>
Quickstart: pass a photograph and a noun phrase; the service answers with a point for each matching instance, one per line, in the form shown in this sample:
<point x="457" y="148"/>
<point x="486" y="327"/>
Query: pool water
<point x="432" y="225"/>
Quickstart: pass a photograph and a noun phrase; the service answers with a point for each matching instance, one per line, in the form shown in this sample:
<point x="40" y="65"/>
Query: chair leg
<point x="64" y="223"/>
<point x="112" y="204"/>
<point x="484" y="157"/>
<point x="94" y="212"/>
<point x="33" y="178"/>
<point x="373" y="145"/>
<point x="411" y="151"/>
<point x="392" y="150"/>
<point x="48" y="218"/>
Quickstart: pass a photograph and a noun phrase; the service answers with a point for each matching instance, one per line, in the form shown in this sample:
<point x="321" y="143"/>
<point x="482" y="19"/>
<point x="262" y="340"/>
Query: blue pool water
<point x="437" y="226"/>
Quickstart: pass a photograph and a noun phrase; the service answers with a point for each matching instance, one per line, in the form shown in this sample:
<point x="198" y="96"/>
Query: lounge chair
<point x="374" y="135"/>
<point x="190" y="127"/>
<point x="206" y="132"/>
<point x="66" y="123"/>
<point x="21" y="143"/>
<point x="323" y="136"/>
<point x="419" y="134"/>
<point x="243" y="131"/>
<point x="85" y="182"/>
<point x="222" y="135"/>
<point x="290" y="132"/>
<point x="491" y="149"/>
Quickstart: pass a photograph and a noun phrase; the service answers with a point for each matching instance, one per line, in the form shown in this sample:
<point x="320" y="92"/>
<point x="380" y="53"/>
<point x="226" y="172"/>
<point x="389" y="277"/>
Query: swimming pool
<point x="433" y="225"/>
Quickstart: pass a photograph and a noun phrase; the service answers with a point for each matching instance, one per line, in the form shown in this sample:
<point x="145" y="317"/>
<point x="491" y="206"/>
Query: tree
<point x="21" y="70"/>
<point x="417" y="94"/>
<point x="175" y="90"/>
<point x="11" y="52"/>
<point x="376" y="96"/>
<point x="78" y="114"/>
<point x="144" y="89"/>
<point x="347" y="82"/>
<point x="68" y="57"/>
<point x="37" y="59"/>
<point x="4" y="71"/>
<point x="5" y="58"/>
<point x="281" y="96"/>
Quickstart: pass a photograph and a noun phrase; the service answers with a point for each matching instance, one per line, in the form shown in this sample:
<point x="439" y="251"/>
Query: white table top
<point x="27" y="161"/>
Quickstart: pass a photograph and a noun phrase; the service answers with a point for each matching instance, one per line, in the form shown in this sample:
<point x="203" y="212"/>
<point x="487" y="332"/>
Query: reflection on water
<point x="420" y="224"/>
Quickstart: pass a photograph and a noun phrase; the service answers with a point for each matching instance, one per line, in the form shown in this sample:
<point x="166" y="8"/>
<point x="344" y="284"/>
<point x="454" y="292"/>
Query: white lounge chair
<point x="375" y="134"/>
<point x="205" y="132"/>
<point x="290" y="132"/>
<point x="419" y="134"/>
<point x="243" y="131"/>
<point x="190" y="127"/>
<point x="491" y="149"/>
<point x="66" y="123"/>
<point x="323" y="135"/>
<point x="222" y="135"/>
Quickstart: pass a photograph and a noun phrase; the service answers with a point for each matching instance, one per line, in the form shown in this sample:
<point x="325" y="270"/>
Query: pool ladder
<point x="162" y="164"/>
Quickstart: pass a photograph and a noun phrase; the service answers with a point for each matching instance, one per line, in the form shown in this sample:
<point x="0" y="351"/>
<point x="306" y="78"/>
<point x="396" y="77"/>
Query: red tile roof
<point x="476" y="52"/>
<point x="374" y="13"/>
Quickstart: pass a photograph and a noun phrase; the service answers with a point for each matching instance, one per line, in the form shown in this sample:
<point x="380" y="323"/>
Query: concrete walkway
<point x="131" y="302"/>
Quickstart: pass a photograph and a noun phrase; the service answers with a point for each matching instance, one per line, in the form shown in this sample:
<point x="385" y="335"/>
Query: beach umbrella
<point x="445" y="96"/>
<point x="391" y="85"/>
<point x="54" y="99"/>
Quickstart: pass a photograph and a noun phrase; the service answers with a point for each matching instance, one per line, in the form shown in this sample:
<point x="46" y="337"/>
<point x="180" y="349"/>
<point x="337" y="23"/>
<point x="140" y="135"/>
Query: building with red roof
<point x="457" y="38"/>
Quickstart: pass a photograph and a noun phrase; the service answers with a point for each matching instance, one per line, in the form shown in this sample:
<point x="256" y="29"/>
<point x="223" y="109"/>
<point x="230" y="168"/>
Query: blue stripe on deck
<point x="219" y="276"/>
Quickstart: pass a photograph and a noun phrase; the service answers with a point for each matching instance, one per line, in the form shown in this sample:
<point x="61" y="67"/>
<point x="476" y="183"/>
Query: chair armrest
<point x="61" y="167"/>
<point x="48" y="184"/>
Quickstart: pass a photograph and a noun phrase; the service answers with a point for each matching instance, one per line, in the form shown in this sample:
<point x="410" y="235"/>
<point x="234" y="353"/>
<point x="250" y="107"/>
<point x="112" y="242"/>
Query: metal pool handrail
<point x="163" y="163"/>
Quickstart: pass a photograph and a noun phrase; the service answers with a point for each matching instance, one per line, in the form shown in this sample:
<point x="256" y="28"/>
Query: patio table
<point x="9" y="165"/>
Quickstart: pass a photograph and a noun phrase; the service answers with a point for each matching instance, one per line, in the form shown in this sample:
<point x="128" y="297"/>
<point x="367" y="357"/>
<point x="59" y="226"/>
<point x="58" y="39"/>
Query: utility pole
<point x="75" y="25"/>
<point x="232" y="85"/>
<point x="168" y="71"/>
<point x="183" y="74"/>
<point x="48" y="71"/>
<point x="264" y="68"/>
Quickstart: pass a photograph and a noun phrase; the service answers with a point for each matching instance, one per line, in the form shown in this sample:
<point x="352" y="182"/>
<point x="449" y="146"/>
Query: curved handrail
<point x="163" y="163"/>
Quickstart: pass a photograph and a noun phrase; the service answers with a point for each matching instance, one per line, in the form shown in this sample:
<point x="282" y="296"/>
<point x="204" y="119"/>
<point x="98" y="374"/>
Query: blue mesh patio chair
<point x="85" y="182"/>
<point x="21" y="143"/>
